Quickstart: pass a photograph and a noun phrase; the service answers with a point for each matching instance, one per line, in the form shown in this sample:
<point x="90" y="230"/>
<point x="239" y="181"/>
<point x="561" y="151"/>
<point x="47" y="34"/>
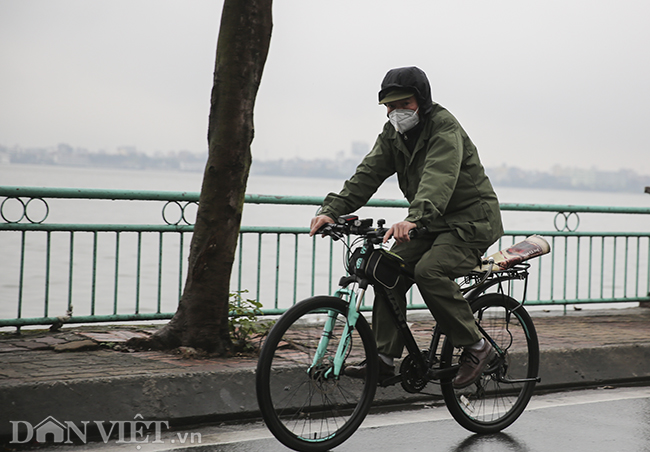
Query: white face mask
<point x="404" y="119"/>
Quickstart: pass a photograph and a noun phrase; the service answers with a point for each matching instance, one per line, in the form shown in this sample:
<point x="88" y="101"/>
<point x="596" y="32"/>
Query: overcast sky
<point x="535" y="84"/>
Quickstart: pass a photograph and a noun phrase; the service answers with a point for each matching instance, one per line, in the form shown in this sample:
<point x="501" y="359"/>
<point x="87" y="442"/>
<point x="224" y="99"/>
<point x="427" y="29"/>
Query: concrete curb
<point x="170" y="397"/>
<point x="594" y="366"/>
<point x="187" y="397"/>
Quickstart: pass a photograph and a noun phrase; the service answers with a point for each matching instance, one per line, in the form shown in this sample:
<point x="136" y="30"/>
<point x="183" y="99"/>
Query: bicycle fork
<point x="354" y="307"/>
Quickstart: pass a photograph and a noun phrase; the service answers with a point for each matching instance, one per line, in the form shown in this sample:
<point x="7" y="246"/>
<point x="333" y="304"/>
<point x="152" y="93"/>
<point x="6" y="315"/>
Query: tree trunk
<point x="201" y="320"/>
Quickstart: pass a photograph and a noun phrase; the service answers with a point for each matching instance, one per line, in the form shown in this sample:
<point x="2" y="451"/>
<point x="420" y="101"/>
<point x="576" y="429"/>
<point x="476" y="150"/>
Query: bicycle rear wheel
<point x="305" y="407"/>
<point x="499" y="397"/>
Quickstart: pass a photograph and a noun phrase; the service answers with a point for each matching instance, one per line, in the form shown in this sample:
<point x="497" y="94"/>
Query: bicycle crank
<point x="413" y="379"/>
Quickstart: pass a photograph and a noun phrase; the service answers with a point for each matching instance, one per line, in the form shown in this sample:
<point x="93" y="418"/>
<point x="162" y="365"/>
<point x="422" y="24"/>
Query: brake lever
<point x="330" y="231"/>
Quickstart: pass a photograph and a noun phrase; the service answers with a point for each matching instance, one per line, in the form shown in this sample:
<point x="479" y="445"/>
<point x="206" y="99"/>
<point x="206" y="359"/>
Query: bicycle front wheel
<point x="303" y="403"/>
<point x="499" y="397"/>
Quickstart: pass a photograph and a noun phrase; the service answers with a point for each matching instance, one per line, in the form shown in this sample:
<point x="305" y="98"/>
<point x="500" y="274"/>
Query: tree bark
<point x="201" y="320"/>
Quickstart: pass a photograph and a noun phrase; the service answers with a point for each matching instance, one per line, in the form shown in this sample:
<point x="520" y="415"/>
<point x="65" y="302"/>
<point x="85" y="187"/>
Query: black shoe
<point x="359" y="371"/>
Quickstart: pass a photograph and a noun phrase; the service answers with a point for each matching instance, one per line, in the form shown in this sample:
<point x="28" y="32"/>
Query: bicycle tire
<point x="303" y="410"/>
<point x="492" y="404"/>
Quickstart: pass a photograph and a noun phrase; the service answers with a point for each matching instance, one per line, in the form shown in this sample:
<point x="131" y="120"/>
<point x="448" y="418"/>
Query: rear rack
<point x="477" y="282"/>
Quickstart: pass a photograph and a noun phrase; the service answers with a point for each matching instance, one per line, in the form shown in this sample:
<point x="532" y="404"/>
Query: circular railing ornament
<point x="180" y="212"/>
<point x="29" y="217"/>
<point x="6" y="215"/>
<point x="567" y="226"/>
<point x="191" y="213"/>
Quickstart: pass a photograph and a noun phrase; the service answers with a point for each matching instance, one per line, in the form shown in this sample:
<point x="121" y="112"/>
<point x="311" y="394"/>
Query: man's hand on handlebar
<point x="318" y="222"/>
<point x="400" y="232"/>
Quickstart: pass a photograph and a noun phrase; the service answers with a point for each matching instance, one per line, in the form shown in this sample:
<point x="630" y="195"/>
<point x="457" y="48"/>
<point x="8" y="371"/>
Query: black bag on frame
<point x="378" y="265"/>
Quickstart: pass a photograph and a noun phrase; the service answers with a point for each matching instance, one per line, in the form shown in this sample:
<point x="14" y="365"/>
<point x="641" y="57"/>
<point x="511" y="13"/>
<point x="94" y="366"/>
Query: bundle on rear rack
<point x="529" y="248"/>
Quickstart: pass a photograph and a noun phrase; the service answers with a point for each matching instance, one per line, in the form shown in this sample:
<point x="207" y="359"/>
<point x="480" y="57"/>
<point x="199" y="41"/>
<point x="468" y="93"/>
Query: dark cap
<point x="396" y="94"/>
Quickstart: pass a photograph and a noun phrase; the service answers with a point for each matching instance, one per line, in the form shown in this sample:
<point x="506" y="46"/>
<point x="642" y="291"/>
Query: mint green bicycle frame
<point x="354" y="306"/>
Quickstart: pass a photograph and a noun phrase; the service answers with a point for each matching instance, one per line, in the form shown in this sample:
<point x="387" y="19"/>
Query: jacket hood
<point x="409" y="78"/>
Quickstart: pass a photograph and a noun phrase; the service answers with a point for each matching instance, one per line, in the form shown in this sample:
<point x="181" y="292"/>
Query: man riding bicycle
<point x="441" y="176"/>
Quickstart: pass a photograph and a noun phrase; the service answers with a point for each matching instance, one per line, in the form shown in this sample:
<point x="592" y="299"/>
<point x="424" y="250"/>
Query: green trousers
<point x="435" y="268"/>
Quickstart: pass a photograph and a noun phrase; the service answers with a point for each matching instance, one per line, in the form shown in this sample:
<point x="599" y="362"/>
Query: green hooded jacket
<point x="442" y="179"/>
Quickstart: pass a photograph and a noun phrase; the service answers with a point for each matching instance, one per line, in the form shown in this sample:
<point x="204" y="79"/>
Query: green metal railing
<point x="114" y="268"/>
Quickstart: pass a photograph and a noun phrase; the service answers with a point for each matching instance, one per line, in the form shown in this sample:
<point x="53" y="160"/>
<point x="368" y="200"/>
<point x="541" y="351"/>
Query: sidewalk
<point x="86" y="373"/>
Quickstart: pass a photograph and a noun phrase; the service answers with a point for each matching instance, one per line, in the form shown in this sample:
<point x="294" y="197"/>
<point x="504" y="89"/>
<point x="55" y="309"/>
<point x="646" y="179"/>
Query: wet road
<point x="595" y="420"/>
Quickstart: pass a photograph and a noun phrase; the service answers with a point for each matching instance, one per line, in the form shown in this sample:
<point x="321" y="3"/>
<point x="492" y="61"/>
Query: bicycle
<point x="310" y="405"/>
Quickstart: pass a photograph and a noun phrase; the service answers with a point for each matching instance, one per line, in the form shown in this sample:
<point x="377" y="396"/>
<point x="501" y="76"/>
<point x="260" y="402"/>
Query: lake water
<point x="101" y="212"/>
<point x="54" y="176"/>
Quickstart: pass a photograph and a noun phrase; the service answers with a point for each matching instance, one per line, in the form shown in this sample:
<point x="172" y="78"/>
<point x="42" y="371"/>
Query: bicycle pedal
<point x="390" y="381"/>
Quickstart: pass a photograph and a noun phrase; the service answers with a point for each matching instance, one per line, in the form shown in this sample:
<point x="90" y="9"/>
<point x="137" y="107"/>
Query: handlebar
<point x="418" y="233"/>
<point x="352" y="225"/>
<point x="338" y="231"/>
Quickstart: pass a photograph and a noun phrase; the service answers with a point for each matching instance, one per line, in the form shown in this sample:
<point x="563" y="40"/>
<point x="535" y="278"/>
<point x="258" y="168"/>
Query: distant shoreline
<point x="503" y="176"/>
